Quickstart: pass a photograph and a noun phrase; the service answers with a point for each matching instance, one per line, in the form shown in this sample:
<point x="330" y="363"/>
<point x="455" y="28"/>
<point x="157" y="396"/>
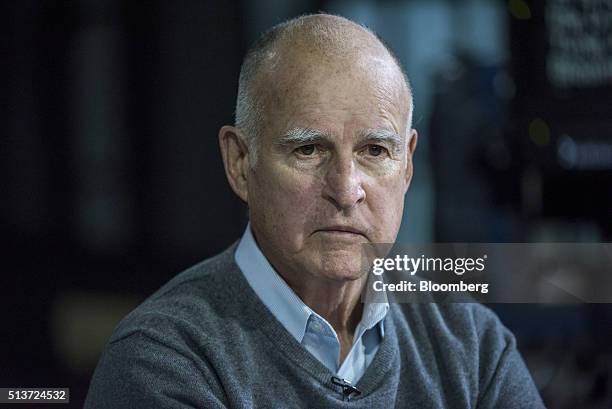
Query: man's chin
<point x="341" y="265"/>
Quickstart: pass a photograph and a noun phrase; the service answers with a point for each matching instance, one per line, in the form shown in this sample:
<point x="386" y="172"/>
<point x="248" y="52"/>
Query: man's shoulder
<point x="194" y="299"/>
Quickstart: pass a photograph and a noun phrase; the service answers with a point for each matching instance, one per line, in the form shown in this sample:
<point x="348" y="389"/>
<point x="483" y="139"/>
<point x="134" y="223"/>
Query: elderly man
<point x="322" y="154"/>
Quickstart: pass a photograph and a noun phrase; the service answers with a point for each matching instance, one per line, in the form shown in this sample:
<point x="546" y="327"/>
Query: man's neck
<point x="338" y="303"/>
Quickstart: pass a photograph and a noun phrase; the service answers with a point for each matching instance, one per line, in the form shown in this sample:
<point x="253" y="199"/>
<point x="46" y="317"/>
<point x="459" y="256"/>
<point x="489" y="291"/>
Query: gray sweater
<point x="205" y="340"/>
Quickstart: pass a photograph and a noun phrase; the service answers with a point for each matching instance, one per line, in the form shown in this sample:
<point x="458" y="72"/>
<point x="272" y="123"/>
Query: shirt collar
<point x="282" y="301"/>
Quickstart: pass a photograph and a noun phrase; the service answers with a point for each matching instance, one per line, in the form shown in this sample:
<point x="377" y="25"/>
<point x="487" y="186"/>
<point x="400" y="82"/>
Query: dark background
<point x="111" y="180"/>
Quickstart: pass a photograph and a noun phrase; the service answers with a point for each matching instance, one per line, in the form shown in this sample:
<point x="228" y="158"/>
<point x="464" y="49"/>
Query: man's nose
<point x="343" y="184"/>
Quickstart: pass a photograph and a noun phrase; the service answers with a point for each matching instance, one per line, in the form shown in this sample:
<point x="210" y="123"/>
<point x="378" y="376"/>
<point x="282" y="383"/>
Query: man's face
<point x="333" y="166"/>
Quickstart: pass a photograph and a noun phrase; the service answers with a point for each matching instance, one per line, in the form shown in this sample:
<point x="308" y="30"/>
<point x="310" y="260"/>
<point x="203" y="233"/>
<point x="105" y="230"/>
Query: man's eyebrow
<point x="298" y="136"/>
<point x="383" y="135"/>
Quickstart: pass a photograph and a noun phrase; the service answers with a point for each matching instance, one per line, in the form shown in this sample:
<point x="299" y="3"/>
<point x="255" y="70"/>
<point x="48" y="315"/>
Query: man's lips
<point x="342" y="230"/>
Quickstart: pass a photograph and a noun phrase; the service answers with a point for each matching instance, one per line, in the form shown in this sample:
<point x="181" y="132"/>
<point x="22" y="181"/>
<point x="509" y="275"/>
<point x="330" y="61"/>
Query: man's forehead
<point x="326" y="93"/>
<point x="297" y="67"/>
<point x="337" y="113"/>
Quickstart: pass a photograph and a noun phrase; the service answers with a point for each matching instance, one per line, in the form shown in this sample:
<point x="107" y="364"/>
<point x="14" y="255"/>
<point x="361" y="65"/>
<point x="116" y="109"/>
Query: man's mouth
<point x="342" y="231"/>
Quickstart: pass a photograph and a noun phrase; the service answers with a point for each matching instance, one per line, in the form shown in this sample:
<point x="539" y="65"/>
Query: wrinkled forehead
<point x="305" y="88"/>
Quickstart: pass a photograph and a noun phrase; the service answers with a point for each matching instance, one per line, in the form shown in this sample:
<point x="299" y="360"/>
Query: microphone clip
<point x="347" y="387"/>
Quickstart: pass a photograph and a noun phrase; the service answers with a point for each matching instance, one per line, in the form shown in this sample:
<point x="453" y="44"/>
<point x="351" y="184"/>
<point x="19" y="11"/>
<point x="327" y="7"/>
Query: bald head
<point x="295" y="57"/>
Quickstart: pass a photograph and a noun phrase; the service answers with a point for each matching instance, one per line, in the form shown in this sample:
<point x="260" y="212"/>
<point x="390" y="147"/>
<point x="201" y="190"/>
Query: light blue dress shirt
<point x="306" y="326"/>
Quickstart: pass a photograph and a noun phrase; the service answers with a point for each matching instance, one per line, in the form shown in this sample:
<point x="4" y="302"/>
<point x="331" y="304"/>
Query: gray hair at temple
<point x="327" y="32"/>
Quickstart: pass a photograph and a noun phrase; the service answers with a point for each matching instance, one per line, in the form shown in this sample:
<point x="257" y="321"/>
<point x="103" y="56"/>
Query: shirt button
<point x="316" y="326"/>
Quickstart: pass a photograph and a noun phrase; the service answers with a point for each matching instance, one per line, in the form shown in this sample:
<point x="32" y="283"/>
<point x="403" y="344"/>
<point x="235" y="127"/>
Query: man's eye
<point x="375" y="150"/>
<point x="306" y="150"/>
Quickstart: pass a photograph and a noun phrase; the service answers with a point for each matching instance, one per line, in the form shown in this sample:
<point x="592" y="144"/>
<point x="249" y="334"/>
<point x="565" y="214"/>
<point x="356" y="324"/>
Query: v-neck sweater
<point x="205" y="340"/>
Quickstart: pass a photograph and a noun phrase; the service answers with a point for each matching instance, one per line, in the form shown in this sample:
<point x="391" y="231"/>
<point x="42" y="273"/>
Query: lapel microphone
<point x="347" y="387"/>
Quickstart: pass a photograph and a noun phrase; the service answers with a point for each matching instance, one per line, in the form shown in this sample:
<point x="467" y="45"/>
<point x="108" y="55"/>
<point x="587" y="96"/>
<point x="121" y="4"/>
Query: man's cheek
<point x="289" y="208"/>
<point x="298" y="190"/>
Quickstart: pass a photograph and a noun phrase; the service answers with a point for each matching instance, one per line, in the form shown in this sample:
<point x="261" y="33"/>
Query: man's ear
<point x="235" y="155"/>
<point x="412" y="143"/>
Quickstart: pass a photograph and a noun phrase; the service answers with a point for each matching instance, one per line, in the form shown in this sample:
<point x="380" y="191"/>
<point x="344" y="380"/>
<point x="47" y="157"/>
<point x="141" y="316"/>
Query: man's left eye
<point x="375" y="150"/>
<point x="307" y="150"/>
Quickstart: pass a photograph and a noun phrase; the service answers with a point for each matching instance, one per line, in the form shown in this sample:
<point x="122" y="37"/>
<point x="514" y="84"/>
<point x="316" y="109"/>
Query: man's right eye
<point x="306" y="150"/>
